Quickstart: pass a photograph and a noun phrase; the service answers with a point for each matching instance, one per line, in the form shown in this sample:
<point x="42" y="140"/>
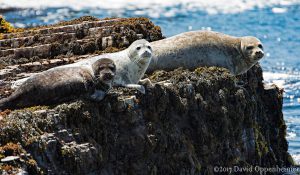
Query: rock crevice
<point x="198" y="121"/>
<point x="201" y="119"/>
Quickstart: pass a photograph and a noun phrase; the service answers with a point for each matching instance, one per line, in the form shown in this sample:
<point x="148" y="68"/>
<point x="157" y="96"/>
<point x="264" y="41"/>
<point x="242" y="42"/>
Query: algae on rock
<point x="201" y="120"/>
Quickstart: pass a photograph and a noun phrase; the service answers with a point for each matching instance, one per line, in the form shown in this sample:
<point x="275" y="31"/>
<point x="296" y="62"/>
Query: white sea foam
<point x="291" y="135"/>
<point x="211" y="7"/>
<point x="283" y="80"/>
<point x="290" y="82"/>
<point x="296" y="158"/>
<point x="279" y="10"/>
<point x="275" y="78"/>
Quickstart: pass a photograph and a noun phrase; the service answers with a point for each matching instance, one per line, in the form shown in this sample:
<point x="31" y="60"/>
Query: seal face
<point x="63" y="84"/>
<point x="140" y="52"/>
<point x="252" y="48"/>
<point x="104" y="70"/>
<point x="132" y="66"/>
<point x="206" y="48"/>
<point x="104" y="73"/>
<point x="252" y="51"/>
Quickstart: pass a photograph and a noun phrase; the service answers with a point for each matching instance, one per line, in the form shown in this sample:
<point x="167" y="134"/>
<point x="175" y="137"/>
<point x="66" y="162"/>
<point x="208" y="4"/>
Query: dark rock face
<point x="199" y="120"/>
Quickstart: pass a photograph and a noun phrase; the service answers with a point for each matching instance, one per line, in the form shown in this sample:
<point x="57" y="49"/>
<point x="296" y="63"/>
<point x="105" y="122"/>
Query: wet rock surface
<point x="195" y="120"/>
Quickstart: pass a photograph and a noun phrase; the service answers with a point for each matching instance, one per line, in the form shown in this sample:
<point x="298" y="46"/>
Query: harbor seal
<point x="63" y="84"/>
<point x="131" y="65"/>
<point x="206" y="48"/>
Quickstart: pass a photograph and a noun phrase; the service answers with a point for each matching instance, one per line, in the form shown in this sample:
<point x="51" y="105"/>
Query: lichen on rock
<point x="5" y="27"/>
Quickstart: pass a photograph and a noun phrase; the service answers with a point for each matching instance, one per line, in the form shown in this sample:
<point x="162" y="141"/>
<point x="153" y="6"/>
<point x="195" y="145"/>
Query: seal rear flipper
<point x="6" y="104"/>
<point x="15" y="101"/>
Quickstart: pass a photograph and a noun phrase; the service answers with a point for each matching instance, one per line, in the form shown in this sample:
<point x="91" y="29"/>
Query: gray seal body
<point x="206" y="48"/>
<point x="63" y="84"/>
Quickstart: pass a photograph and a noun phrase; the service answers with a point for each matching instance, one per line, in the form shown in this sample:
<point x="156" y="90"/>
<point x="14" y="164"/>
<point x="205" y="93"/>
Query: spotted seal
<point x="206" y="48"/>
<point x="63" y="84"/>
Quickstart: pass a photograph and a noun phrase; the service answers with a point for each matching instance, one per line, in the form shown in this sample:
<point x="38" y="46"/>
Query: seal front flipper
<point x="98" y="95"/>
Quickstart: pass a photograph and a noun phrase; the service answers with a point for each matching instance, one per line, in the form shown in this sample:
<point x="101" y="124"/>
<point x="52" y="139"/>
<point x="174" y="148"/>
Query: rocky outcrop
<point x="38" y="49"/>
<point x="197" y="120"/>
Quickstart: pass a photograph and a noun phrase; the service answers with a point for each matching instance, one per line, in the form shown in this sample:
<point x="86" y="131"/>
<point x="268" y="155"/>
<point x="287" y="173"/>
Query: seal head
<point x="140" y="52"/>
<point x="104" y="72"/>
<point x="252" y="49"/>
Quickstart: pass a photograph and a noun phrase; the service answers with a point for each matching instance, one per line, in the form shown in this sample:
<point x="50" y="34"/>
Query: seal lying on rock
<point x="131" y="65"/>
<point x="63" y="84"/>
<point x="206" y="48"/>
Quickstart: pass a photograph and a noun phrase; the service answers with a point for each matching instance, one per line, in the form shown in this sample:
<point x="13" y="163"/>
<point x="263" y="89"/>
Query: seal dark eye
<point x="112" y="68"/>
<point x="138" y="48"/>
<point x="260" y="46"/>
<point x="149" y="47"/>
<point x="249" y="47"/>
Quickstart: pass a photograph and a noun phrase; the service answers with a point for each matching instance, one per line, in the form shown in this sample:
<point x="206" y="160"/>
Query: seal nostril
<point x="146" y="54"/>
<point x="108" y="76"/>
<point x="259" y="54"/>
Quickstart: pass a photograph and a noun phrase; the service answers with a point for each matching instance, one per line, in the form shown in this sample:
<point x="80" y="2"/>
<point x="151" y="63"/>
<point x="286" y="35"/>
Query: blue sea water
<point x="277" y="25"/>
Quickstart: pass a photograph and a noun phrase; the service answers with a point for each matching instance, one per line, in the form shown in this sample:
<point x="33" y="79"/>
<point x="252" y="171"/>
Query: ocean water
<point x="275" y="22"/>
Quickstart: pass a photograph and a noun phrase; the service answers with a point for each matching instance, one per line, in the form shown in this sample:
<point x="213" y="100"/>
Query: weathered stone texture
<point x="197" y="120"/>
<point x="201" y="120"/>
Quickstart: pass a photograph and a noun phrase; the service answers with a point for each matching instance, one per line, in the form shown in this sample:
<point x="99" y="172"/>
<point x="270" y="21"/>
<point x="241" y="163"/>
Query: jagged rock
<point x="47" y="43"/>
<point x="107" y="42"/>
<point x="192" y="122"/>
<point x="200" y="120"/>
<point x="38" y="49"/>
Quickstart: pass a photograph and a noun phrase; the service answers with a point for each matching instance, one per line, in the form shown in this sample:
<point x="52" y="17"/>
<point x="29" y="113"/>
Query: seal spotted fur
<point x="206" y="48"/>
<point x="63" y="84"/>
